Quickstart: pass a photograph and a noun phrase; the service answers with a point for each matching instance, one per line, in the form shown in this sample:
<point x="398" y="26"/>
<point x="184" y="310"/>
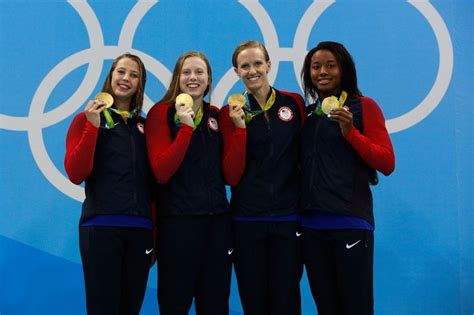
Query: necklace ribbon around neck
<point x="250" y="114"/>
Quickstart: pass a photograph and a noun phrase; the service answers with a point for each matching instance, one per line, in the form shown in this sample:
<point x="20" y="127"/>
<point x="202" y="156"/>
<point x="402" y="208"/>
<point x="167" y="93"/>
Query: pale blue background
<point x="424" y="211"/>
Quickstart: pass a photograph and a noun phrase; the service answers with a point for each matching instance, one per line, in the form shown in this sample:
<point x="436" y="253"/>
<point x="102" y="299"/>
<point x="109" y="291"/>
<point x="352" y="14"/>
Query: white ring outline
<point x="37" y="120"/>
<point x="298" y="51"/>
<point x="443" y="77"/>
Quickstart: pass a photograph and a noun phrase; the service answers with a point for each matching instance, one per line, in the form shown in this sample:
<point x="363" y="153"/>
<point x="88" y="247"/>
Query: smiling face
<point x="125" y="80"/>
<point x="194" y="77"/>
<point x="252" y="67"/>
<point x="326" y="73"/>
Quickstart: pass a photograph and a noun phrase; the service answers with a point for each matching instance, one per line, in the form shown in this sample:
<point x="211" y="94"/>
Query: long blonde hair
<point x="174" y="88"/>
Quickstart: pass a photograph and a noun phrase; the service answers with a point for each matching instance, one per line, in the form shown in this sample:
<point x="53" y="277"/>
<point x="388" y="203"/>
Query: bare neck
<point x="121" y="105"/>
<point x="261" y="95"/>
<point x="197" y="104"/>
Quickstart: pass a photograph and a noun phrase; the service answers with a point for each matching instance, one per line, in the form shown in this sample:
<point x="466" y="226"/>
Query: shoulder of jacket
<point x="294" y="95"/>
<point x="214" y="108"/>
<point x="365" y="100"/>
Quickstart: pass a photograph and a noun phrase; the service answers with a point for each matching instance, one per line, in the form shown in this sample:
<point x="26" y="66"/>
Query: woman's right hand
<point x="237" y="115"/>
<point x="185" y="114"/>
<point x="93" y="110"/>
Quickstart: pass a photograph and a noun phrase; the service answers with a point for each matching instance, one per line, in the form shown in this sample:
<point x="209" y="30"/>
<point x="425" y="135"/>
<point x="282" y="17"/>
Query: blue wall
<point x="415" y="58"/>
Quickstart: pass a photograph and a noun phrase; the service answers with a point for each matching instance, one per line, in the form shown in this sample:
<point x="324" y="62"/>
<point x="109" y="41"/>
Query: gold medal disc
<point x="329" y="103"/>
<point x="236" y="99"/>
<point x="106" y="98"/>
<point x="185" y="99"/>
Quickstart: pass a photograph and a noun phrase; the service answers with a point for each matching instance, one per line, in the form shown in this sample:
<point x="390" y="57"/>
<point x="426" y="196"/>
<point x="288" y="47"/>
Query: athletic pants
<point x="116" y="262"/>
<point x="194" y="260"/>
<point x="268" y="267"/>
<point x="339" y="265"/>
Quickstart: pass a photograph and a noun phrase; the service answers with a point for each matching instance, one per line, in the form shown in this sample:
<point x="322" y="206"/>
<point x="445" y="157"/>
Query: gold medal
<point x="106" y="98"/>
<point x="236" y="99"/>
<point x="329" y="104"/>
<point x="185" y="99"/>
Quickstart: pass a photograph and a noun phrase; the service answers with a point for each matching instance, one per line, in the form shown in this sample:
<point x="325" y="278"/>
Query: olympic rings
<point x="37" y="119"/>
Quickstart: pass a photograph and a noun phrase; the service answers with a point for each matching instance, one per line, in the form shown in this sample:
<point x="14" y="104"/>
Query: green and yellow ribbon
<point x="342" y="99"/>
<point x="109" y="121"/>
<point x="250" y="114"/>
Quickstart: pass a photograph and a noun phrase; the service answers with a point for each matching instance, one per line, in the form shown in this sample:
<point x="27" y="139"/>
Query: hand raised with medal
<point x="344" y="117"/>
<point x="236" y="113"/>
<point x="184" y="109"/>
<point x="96" y="106"/>
<point x="93" y="110"/>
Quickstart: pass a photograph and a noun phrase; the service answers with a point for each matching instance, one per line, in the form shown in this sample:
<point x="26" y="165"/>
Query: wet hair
<point x="137" y="100"/>
<point x="246" y="45"/>
<point x="174" y="88"/>
<point x="346" y="64"/>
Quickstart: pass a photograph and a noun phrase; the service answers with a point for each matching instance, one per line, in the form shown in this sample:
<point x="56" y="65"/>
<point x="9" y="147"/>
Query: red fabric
<point x="374" y="145"/>
<point x="165" y="154"/>
<point x="80" y="147"/>
<point x="233" y="163"/>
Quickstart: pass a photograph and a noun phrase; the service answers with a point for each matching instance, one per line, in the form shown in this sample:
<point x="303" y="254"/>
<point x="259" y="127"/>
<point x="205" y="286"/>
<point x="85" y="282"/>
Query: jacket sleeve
<point x="374" y="145"/>
<point x="80" y="147"/>
<point x="234" y="153"/>
<point x="165" y="154"/>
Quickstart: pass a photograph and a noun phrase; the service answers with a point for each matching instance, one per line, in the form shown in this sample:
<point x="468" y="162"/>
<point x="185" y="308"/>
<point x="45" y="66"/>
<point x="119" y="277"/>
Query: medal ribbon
<point x="109" y="121"/>
<point x="197" y="119"/>
<point x="249" y="114"/>
<point x="124" y="113"/>
<point x="342" y="99"/>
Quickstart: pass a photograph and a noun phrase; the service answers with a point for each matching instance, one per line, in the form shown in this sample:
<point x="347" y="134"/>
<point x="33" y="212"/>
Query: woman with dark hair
<point x="195" y="225"/>
<point x="105" y="147"/>
<point x="344" y="143"/>
<point x="265" y="182"/>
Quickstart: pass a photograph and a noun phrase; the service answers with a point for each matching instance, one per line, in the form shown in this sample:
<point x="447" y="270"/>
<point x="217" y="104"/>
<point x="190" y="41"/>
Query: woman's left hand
<point x="344" y="117"/>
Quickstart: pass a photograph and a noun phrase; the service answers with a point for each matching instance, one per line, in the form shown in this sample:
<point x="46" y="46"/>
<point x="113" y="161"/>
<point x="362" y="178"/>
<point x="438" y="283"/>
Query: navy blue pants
<point x="194" y="261"/>
<point x="339" y="265"/>
<point x="116" y="262"/>
<point x="268" y="267"/>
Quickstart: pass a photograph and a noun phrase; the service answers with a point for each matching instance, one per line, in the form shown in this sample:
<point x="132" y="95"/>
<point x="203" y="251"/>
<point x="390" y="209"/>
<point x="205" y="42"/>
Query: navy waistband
<point x="295" y="217"/>
<point x="320" y="220"/>
<point x="120" y="220"/>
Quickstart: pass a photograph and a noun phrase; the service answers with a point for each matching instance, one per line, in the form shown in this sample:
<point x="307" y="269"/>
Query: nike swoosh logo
<point x="147" y="251"/>
<point x="107" y="127"/>
<point x="230" y="251"/>
<point x="298" y="234"/>
<point x="352" y="245"/>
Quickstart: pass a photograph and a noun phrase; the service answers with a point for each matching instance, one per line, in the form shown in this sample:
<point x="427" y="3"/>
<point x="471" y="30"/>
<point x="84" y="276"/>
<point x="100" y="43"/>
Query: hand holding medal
<point x="184" y="110"/>
<point x="329" y="104"/>
<point x="334" y="108"/>
<point x="100" y="104"/>
<point x="184" y="99"/>
<point x="108" y="100"/>
<point x="236" y="113"/>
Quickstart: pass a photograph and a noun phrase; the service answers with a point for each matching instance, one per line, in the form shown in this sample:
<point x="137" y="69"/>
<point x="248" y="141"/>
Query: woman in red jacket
<point x="344" y="142"/>
<point x="195" y="226"/>
<point x="106" y="148"/>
